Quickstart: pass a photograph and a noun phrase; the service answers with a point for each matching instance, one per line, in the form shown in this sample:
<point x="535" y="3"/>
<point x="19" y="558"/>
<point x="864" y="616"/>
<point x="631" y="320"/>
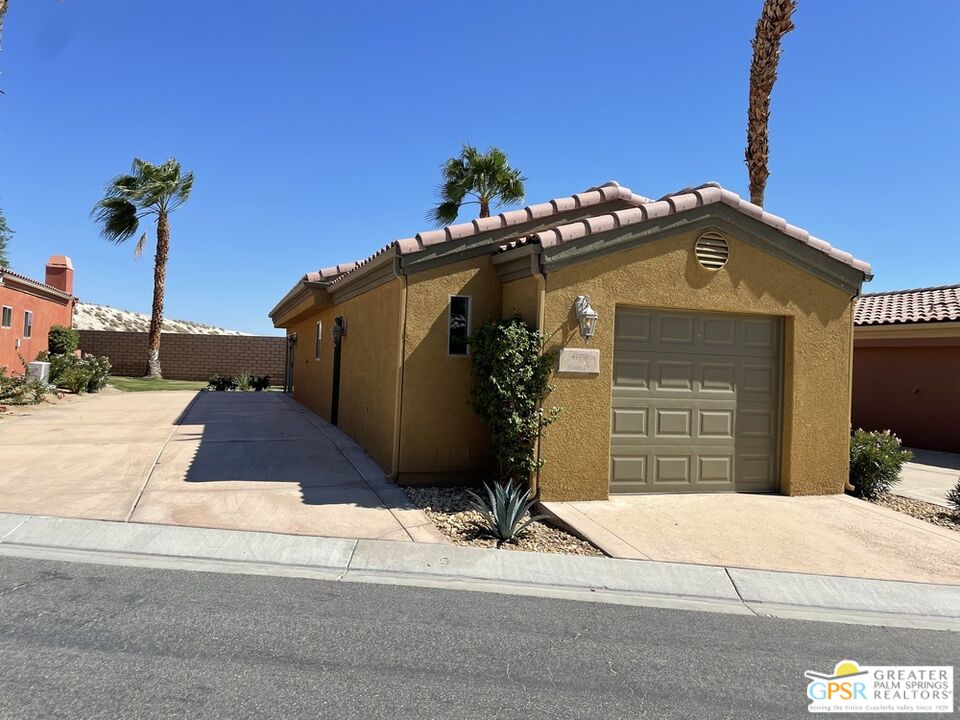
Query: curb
<point x="647" y="583"/>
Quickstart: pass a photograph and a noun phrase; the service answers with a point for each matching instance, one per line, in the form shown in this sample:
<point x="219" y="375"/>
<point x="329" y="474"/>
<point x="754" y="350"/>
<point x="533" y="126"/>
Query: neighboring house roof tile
<point x="50" y="288"/>
<point x="932" y="304"/>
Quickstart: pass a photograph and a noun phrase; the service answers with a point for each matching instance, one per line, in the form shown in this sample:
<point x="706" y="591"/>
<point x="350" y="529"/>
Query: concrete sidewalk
<point x="693" y="587"/>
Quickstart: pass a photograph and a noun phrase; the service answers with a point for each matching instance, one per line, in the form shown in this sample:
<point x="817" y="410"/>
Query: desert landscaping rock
<point x="449" y="509"/>
<point x="929" y="512"/>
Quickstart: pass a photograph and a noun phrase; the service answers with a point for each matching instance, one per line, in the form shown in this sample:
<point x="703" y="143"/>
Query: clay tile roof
<point x="930" y="304"/>
<point x="686" y="199"/>
<point x="640" y="209"/>
<point x="607" y="192"/>
<point x="11" y="273"/>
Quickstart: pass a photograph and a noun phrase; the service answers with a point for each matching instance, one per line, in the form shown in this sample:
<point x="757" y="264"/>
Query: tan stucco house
<point x="721" y="358"/>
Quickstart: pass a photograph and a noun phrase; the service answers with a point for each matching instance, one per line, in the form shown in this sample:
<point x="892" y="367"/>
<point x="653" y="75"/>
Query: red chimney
<point x="60" y="273"/>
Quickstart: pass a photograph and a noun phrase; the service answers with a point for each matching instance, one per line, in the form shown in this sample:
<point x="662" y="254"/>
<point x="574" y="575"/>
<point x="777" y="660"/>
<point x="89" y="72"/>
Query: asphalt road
<point x="95" y="641"/>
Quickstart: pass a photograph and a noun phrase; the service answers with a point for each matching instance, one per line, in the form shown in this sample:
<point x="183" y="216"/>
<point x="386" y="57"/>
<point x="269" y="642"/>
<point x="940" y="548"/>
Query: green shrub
<point x="511" y="379"/>
<point x="221" y="383"/>
<point x="242" y="381"/>
<point x="62" y="340"/>
<point x="74" y="379"/>
<point x="20" y="390"/>
<point x="953" y="497"/>
<point x="98" y="368"/>
<point x="79" y="374"/>
<point x="259" y="382"/>
<point x="875" y="462"/>
<point x="504" y="510"/>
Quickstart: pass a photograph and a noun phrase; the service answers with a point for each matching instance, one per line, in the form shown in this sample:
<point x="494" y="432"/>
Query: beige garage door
<point x="696" y="402"/>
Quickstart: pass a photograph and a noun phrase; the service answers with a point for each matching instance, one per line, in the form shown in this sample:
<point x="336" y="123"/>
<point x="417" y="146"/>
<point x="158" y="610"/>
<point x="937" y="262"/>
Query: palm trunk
<point x="484" y="208"/>
<point x="773" y="24"/>
<point x="159" y="278"/>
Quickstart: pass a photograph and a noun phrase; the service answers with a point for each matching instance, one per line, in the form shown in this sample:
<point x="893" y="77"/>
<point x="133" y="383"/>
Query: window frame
<point x="27" y="324"/>
<point x="450" y="299"/>
<point x="9" y="316"/>
<point x="317" y="342"/>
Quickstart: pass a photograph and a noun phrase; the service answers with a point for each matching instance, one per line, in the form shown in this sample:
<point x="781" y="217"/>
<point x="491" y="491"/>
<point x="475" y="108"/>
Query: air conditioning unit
<point x="39" y="371"/>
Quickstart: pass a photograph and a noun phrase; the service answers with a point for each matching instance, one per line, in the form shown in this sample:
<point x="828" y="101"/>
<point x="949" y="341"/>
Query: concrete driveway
<point x="827" y="534"/>
<point x="245" y="461"/>
<point x="930" y="476"/>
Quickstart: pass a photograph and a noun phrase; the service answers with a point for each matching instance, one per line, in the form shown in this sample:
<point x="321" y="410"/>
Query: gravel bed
<point x="920" y="509"/>
<point x="450" y="511"/>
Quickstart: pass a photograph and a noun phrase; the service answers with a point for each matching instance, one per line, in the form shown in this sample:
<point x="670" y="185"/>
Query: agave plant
<point x="503" y="510"/>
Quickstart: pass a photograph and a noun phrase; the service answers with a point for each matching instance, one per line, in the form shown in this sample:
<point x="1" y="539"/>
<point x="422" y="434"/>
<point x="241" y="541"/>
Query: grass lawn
<point x="129" y="384"/>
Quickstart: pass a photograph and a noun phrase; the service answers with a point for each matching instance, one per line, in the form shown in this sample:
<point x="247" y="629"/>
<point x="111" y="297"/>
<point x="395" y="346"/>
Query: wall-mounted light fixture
<point x="586" y="316"/>
<point x="338" y="330"/>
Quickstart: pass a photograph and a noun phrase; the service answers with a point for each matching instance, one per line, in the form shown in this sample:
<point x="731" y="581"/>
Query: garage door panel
<point x="632" y="373"/>
<point x="758" y="379"/>
<point x="673" y="375"/>
<point x="675" y="330"/>
<point x="715" y="470"/>
<point x="673" y="423"/>
<point x="715" y="423"/>
<point x="695" y="402"/>
<point x="719" y="332"/>
<point x="758" y="423"/>
<point x="718" y="377"/>
<point x="630" y="421"/>
<point x="672" y="469"/>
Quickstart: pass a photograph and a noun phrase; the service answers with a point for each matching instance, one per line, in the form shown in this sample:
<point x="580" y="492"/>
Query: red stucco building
<point x="28" y="308"/>
<point x="906" y="366"/>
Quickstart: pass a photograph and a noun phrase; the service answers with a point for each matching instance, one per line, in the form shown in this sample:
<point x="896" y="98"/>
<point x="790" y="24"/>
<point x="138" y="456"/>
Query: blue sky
<point x="316" y="129"/>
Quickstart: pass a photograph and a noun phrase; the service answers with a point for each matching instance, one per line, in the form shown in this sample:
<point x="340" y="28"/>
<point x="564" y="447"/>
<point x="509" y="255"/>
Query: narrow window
<point x="459" y="329"/>
<point x="7" y="319"/>
<point x="27" y="324"/>
<point x="316" y="348"/>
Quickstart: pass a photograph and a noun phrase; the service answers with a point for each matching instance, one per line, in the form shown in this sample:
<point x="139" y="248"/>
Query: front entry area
<point x="695" y="402"/>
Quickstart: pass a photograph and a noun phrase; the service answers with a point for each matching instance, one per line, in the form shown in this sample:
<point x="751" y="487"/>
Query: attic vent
<point x="712" y="250"/>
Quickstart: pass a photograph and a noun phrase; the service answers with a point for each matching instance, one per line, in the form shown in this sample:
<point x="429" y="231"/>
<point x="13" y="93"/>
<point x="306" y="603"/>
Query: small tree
<point x="511" y="379"/>
<point x="6" y="234"/>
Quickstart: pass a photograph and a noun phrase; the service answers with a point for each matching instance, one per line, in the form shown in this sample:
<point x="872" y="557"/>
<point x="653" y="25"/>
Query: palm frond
<point x="146" y="189"/>
<point x="138" y="248"/>
<point x="117" y="218"/>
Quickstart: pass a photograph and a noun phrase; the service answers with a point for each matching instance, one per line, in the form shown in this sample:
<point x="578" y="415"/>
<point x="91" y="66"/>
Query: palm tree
<point x="775" y="22"/>
<point x="487" y="178"/>
<point x="148" y="190"/>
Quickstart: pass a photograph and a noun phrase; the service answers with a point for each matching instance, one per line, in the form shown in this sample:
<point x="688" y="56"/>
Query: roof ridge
<point x="707" y="194"/>
<point x="955" y="286"/>
<point x="609" y="191"/>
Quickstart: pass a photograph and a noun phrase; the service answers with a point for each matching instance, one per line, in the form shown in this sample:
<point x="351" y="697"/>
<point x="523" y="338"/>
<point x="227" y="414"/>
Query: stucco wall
<point x="441" y="436"/>
<point x="46" y="313"/>
<point x="524" y="298"/>
<point x="312" y="378"/>
<point x="666" y="274"/>
<point x="369" y="368"/>
<point x="913" y="390"/>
